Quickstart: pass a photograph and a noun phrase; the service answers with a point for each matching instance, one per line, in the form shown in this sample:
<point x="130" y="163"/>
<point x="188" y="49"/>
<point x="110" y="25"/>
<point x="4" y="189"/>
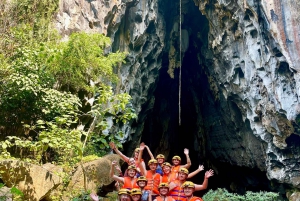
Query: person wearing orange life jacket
<point x="124" y="195"/>
<point x="166" y="167"/>
<point x="136" y="194"/>
<point x="160" y="160"/>
<point x="175" y="186"/>
<point x="188" y="190"/>
<point x="128" y="182"/>
<point x="176" y="160"/>
<point x="153" y="178"/>
<point x="142" y="183"/>
<point x="128" y="159"/>
<point x="166" y="178"/>
<point x="163" y="193"/>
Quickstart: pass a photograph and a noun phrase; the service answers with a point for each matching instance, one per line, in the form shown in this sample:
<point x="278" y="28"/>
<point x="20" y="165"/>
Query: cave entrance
<point x="212" y="127"/>
<point x="161" y="131"/>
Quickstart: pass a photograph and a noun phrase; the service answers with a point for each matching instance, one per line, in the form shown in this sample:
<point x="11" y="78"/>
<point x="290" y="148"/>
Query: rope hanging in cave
<point x="179" y="94"/>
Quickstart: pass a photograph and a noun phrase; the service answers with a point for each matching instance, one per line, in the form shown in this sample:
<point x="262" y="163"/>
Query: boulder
<point x="5" y="193"/>
<point x="91" y="175"/>
<point x="293" y="196"/>
<point x="33" y="180"/>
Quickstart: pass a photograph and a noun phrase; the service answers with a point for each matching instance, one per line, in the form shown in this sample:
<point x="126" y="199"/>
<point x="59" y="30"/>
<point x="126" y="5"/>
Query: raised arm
<point x="208" y="174"/>
<point x="188" y="160"/>
<point x="113" y="146"/>
<point x="119" y="170"/>
<point x="201" y="167"/>
<point x="142" y="167"/>
<point x="112" y="175"/>
<point x="149" y="152"/>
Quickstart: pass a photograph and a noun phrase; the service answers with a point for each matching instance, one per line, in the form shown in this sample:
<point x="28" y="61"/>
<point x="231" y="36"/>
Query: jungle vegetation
<point x="55" y="96"/>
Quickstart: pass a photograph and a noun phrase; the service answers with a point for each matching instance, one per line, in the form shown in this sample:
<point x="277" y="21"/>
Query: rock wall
<point x="255" y="62"/>
<point x="247" y="111"/>
<point x="135" y="27"/>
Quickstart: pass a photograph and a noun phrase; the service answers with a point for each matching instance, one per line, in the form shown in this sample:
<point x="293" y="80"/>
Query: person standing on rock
<point x="130" y="161"/>
<point x="129" y="182"/>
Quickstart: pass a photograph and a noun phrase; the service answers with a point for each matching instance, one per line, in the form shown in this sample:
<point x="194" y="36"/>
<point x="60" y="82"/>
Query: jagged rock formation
<point x="135" y="27"/>
<point x="256" y="62"/>
<point x="240" y="79"/>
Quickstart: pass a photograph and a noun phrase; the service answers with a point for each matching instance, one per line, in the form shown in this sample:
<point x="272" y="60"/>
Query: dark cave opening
<point x="211" y="125"/>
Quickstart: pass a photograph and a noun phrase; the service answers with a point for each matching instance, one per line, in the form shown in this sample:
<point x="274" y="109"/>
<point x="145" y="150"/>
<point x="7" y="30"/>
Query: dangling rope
<point x="179" y="102"/>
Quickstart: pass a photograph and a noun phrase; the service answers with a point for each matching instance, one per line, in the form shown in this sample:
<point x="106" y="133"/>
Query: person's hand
<point x="201" y="167"/>
<point x="117" y="184"/>
<point x="112" y="145"/>
<point x="118" y="168"/>
<point x="114" y="163"/>
<point x="94" y="197"/>
<point x="208" y="174"/>
<point x="186" y="151"/>
<point x="142" y="146"/>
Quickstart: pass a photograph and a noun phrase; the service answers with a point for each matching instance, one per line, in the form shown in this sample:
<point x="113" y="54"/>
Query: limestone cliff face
<point x="244" y="87"/>
<point x="135" y="27"/>
<point x="255" y="48"/>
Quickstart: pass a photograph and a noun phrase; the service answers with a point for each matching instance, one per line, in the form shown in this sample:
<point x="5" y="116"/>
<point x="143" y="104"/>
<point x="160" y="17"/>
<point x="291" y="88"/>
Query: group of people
<point x="162" y="182"/>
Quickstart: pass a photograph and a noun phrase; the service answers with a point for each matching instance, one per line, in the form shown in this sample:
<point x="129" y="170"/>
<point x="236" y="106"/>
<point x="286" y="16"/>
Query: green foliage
<point x="48" y="116"/>
<point x="89" y="158"/>
<point x="18" y="195"/>
<point x="115" y="107"/>
<point x="224" y="195"/>
<point x="82" y="59"/>
<point x="83" y="196"/>
<point x="15" y="192"/>
<point x="25" y="99"/>
<point x="26" y="23"/>
<point x="40" y="78"/>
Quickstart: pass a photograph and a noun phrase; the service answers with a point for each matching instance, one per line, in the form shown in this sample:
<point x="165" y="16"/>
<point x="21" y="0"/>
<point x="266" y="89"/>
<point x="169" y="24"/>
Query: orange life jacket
<point x="136" y="163"/>
<point x="173" y="173"/>
<point x="130" y="184"/>
<point x="195" y="198"/>
<point x="153" y="181"/>
<point x="177" y="192"/>
<point x="166" y="178"/>
<point x="169" y="198"/>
